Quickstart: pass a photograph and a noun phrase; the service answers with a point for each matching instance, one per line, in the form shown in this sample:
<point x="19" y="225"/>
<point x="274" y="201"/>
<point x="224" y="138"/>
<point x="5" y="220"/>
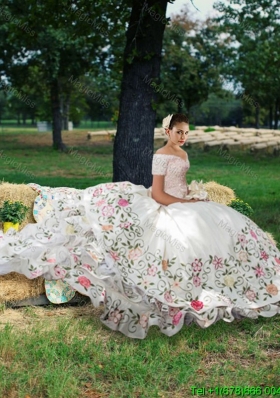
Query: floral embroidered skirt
<point x="148" y="264"/>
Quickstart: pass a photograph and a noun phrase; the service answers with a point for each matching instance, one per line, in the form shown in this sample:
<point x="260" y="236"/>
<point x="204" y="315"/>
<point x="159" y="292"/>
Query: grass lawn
<point x="66" y="352"/>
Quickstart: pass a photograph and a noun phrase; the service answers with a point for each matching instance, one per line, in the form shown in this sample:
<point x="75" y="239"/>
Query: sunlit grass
<point x="68" y="353"/>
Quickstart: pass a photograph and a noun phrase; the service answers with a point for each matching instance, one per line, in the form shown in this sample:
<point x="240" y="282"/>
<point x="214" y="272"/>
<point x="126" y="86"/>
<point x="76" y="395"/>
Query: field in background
<point x="85" y="124"/>
<point x="65" y="352"/>
<point x="255" y="179"/>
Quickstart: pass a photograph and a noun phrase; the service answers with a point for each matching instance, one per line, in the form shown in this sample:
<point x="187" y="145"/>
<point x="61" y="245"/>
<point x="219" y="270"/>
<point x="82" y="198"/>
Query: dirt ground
<point x="22" y="317"/>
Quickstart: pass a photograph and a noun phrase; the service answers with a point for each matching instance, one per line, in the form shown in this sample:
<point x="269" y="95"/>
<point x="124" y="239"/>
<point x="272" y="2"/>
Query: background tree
<point x="189" y="71"/>
<point x="252" y="33"/>
<point x="64" y="41"/>
<point x="133" y="145"/>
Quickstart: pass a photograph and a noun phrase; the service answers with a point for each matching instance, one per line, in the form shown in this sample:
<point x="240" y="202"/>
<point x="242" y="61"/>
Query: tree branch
<point x="195" y="6"/>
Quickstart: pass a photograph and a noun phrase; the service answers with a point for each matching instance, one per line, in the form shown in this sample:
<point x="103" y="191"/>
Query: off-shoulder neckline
<point x="175" y="156"/>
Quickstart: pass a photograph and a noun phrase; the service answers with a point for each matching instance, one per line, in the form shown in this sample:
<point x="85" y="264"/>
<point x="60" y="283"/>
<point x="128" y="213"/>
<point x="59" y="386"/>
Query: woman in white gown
<point x="164" y="259"/>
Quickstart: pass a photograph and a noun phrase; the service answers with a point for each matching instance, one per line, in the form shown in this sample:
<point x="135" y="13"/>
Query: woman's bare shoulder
<point x="163" y="151"/>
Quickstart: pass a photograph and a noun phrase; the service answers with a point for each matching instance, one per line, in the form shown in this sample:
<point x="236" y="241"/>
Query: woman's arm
<point x="163" y="198"/>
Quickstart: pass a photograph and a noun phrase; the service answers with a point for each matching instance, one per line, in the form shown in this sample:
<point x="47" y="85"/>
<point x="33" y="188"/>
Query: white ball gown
<point x="149" y="264"/>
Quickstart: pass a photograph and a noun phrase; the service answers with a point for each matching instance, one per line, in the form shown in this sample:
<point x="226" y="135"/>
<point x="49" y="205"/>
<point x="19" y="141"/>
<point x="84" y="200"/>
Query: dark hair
<point x="178" y="118"/>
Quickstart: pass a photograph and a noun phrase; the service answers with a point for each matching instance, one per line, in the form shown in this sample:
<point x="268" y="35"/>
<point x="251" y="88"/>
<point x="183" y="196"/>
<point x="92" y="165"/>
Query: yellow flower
<point x="229" y="281"/>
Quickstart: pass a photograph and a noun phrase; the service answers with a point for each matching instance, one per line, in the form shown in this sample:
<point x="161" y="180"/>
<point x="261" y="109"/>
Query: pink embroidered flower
<point x="133" y="254"/>
<point x="37" y="273"/>
<point x="59" y="272"/>
<point x="97" y="192"/>
<point x="168" y="297"/>
<point x="218" y="262"/>
<point x="84" y="281"/>
<point x="51" y="260"/>
<point x="243" y="256"/>
<point x="264" y="255"/>
<point x="75" y="257"/>
<point x="242" y="239"/>
<point x="144" y="321"/>
<point x="173" y="311"/>
<point x="123" y="202"/>
<point x="100" y="202"/>
<point x="197" y="265"/>
<point x="253" y="234"/>
<point x="108" y="211"/>
<point x="176" y="318"/>
<point x="114" y="255"/>
<point x="277" y="265"/>
<point x="125" y="225"/>
<point x="87" y="266"/>
<point x="152" y="270"/>
<point x="197" y="305"/>
<point x="124" y="185"/>
<point x="251" y="295"/>
<point x="115" y="316"/>
<point x="110" y="185"/>
<point x="259" y="271"/>
<point x="196" y="281"/>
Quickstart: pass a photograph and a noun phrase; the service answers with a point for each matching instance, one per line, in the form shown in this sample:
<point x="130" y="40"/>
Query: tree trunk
<point x="65" y="112"/>
<point x="276" y="114"/>
<point x="257" y="117"/>
<point x="133" y="145"/>
<point x="56" y="116"/>
<point x="271" y="117"/>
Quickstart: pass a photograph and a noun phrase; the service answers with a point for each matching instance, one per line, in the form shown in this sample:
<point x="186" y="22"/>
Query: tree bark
<point x="257" y="117"/>
<point x="65" y="113"/>
<point x="133" y="145"/>
<point x="270" y="117"/>
<point x="56" y="116"/>
<point x="276" y="114"/>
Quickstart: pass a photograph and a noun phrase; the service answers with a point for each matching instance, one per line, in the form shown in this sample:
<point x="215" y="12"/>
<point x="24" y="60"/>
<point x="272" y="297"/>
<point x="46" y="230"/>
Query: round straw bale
<point x="271" y="238"/>
<point x="219" y="193"/>
<point x="13" y="286"/>
<point x="16" y="287"/>
<point x="20" y="192"/>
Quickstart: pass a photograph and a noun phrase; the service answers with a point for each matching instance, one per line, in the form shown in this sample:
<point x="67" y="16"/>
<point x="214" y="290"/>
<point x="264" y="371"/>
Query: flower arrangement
<point x="242" y="207"/>
<point x="13" y="212"/>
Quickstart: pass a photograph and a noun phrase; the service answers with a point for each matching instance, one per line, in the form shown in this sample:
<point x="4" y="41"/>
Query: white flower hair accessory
<point x="166" y="122"/>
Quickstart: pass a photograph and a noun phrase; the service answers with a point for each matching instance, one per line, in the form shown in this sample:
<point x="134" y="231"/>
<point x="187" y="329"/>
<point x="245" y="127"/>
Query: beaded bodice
<point x="174" y="169"/>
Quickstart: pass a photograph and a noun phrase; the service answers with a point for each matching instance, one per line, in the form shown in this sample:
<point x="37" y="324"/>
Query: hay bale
<point x="271" y="238"/>
<point x="20" y="192"/>
<point x="13" y="286"/>
<point x="219" y="193"/>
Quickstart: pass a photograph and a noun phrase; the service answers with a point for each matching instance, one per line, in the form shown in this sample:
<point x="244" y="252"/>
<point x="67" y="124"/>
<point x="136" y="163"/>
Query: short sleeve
<point x="159" y="166"/>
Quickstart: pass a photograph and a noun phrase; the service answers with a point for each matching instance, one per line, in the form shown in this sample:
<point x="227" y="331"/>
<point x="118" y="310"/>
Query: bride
<point x="161" y="256"/>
